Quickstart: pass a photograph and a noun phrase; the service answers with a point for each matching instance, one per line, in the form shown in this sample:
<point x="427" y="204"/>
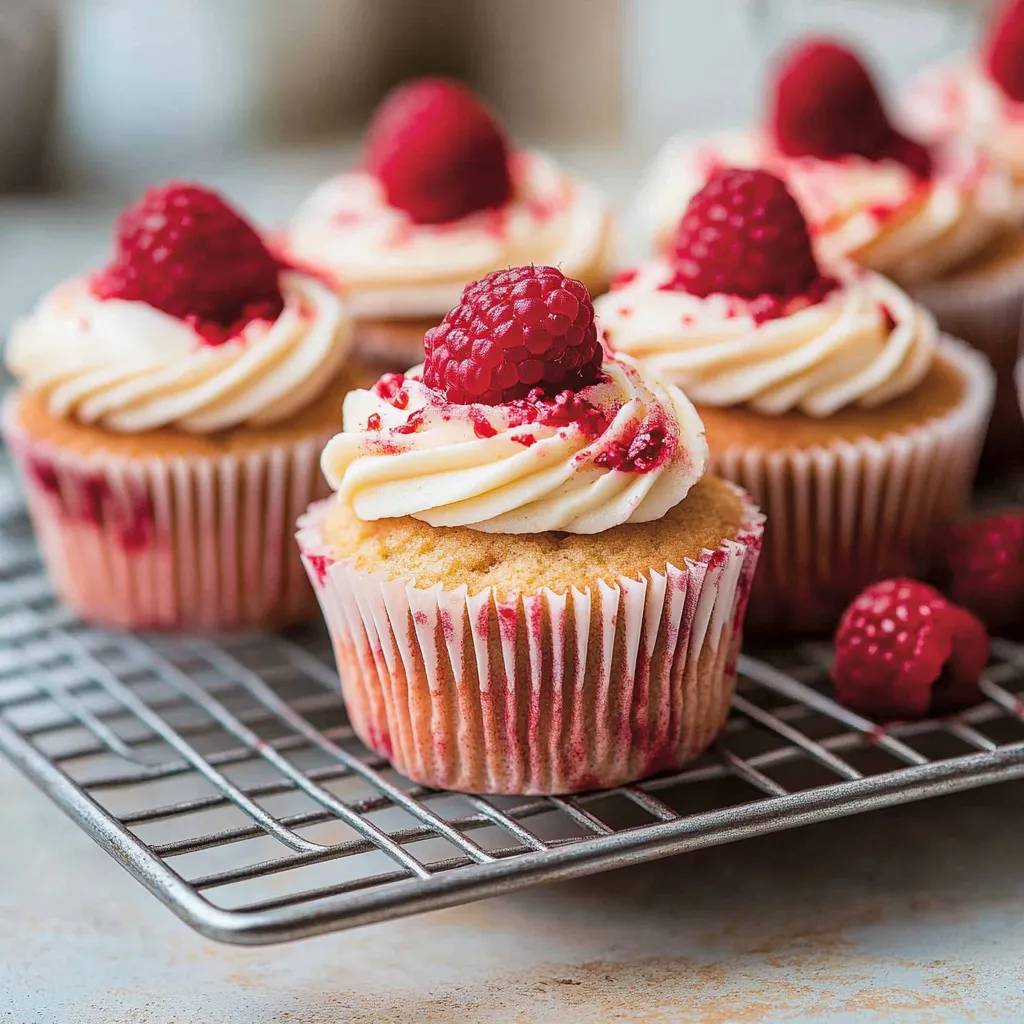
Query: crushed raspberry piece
<point x="887" y="317"/>
<point x="184" y="251"/>
<point x="743" y="234"/>
<point x="513" y="331"/>
<point x="986" y="568"/>
<point x="1004" y="50"/>
<point x="481" y="425"/>
<point x="391" y="387"/>
<point x="650" y="447"/>
<point x="903" y="651"/>
<point x="825" y="104"/>
<point x="438" y="153"/>
<point x="623" y="278"/>
<point x="373" y="421"/>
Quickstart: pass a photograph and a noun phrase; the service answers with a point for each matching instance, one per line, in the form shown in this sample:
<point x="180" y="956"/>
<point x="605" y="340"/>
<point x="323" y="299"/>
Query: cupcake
<point x="440" y="199"/>
<point x="169" y="417"/>
<point x="530" y="583"/>
<point x="943" y="222"/>
<point x="829" y="395"/>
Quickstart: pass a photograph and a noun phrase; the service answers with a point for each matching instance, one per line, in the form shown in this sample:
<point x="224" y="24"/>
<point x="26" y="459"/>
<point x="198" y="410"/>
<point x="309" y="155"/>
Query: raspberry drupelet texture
<point x="514" y="331"/>
<point x="825" y="104"/>
<point x="183" y="250"/>
<point x="438" y="152"/>
<point x="903" y="651"/>
<point x="743" y="234"/>
<point x="1004" y="50"/>
<point x="986" y="568"/>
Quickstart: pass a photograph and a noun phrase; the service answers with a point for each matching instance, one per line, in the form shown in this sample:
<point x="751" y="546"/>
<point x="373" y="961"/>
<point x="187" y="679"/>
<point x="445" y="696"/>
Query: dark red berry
<point x="514" y="331"/>
<point x="903" y="651"/>
<point x="184" y="251"/>
<point x="438" y="152"/>
<point x="1004" y="50"/>
<point x="986" y="568"/>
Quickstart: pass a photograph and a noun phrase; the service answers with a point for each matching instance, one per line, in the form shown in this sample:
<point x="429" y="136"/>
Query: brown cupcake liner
<point x="541" y="692"/>
<point x="194" y="543"/>
<point x="850" y="513"/>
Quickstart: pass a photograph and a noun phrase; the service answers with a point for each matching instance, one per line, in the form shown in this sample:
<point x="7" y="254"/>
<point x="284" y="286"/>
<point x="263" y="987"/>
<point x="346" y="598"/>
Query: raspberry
<point x="743" y="234"/>
<point x="184" y="251"/>
<point x="438" y="153"/>
<point x="514" y="331"/>
<point x="1004" y="50"/>
<point x="903" y="651"/>
<point x="986" y="568"/>
<point x="825" y="104"/>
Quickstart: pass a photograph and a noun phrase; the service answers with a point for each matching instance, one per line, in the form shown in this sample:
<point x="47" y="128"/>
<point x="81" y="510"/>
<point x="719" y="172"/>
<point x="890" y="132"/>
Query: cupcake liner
<point x="843" y="516"/>
<point x="988" y="316"/>
<point x="541" y="692"/>
<point x="174" y="542"/>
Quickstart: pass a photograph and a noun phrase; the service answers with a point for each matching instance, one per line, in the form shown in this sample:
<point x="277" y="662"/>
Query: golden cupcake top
<point x="192" y="325"/>
<point x="741" y="313"/>
<point x="869" y="192"/>
<point x="518" y="422"/>
<point x="441" y="199"/>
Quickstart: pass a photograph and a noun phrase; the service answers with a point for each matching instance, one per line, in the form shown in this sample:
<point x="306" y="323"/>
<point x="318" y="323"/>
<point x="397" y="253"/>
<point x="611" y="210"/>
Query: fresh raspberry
<point x="438" y="152"/>
<point x="1004" y="50"/>
<point x="743" y="234"/>
<point x="824" y="104"/>
<point x="903" y="651"/>
<point x="513" y="331"/>
<point x="184" y="251"/>
<point x="986" y="568"/>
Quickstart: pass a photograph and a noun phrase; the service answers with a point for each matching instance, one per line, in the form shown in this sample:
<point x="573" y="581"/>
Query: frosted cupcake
<point x="168" y="420"/>
<point x="530" y="583"/>
<point x="943" y="222"/>
<point x="440" y="200"/>
<point x="830" y="397"/>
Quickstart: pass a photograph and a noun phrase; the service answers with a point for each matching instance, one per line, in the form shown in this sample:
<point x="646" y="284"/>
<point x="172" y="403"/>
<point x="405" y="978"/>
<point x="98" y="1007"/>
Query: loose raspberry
<point x="184" y="251"/>
<point x="1004" y="50"/>
<point x="438" y="152"/>
<point x="903" y="651"/>
<point x="514" y="331"/>
<point x="743" y="234"/>
<point x="986" y="568"/>
<point x="825" y="104"/>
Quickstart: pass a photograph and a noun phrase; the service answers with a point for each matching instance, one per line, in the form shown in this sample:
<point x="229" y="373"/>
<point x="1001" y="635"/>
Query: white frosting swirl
<point x="392" y="267"/>
<point x="130" y="367"/>
<point x="874" y="211"/>
<point x="525" y="478"/>
<point x="865" y="343"/>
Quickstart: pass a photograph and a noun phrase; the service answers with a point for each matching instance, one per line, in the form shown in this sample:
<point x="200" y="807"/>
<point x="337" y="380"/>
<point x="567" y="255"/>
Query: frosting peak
<point x="622" y="450"/>
<point x="863" y="343"/>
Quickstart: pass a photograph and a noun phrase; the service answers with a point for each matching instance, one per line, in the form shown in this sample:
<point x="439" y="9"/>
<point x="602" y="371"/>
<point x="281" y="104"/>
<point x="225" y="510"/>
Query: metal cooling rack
<point x="226" y="779"/>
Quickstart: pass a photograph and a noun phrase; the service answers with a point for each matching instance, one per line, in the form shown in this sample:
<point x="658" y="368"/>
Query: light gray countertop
<point x="913" y="915"/>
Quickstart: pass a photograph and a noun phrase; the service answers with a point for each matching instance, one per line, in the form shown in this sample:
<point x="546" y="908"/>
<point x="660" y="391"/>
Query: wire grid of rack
<point x="225" y="778"/>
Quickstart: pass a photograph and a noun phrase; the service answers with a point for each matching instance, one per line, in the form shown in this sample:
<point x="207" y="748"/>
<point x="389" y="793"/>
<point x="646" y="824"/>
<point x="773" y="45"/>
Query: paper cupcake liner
<point x="542" y="692"/>
<point x="988" y="316"/>
<point x="843" y="516"/>
<point x="193" y="543"/>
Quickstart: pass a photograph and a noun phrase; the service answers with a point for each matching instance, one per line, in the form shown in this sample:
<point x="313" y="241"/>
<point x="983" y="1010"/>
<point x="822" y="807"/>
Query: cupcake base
<point x="540" y="689"/>
<point x="171" y="531"/>
<point x="861" y="496"/>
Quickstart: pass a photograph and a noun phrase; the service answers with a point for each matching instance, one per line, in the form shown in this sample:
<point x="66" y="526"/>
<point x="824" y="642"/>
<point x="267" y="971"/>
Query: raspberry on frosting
<point x="183" y="250"/>
<point x="743" y="234"/>
<point x="903" y="651"/>
<point x="986" y="568"/>
<point x="438" y="152"/>
<point x="513" y="331"/>
<point x="825" y="104"/>
<point x="1004" y="50"/>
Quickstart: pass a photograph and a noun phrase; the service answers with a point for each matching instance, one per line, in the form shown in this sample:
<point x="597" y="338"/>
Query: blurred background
<point x="98" y="98"/>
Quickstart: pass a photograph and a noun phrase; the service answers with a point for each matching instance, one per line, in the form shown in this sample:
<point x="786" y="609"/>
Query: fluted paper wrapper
<point x="543" y="692"/>
<point x="848" y="514"/>
<point x="194" y="543"/>
<point x="987" y="314"/>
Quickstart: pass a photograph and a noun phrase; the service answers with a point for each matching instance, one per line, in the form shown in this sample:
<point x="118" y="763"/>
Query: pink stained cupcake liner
<point x="843" y="516"/>
<point x="171" y="543"/>
<point x="988" y="316"/>
<point x="539" y="693"/>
